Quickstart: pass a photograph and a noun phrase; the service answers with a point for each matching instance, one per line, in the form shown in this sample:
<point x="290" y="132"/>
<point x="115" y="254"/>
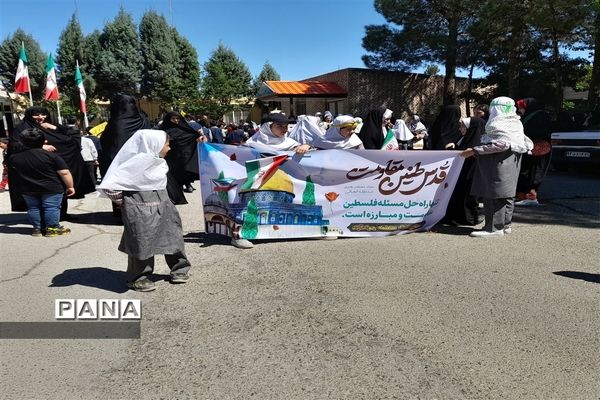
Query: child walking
<point x="137" y="182"/>
<point x="498" y="160"/>
<point x="42" y="177"/>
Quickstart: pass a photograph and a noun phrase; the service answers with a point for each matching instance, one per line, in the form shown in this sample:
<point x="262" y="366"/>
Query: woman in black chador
<point x="536" y="123"/>
<point x="64" y="141"/>
<point x="463" y="208"/>
<point x="125" y="120"/>
<point x="445" y="128"/>
<point x="183" y="157"/>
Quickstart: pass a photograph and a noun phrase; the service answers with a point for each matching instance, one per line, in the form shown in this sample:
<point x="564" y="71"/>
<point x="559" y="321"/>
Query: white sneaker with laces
<point x="241" y="243"/>
<point x="507" y="230"/>
<point x="486" y="234"/>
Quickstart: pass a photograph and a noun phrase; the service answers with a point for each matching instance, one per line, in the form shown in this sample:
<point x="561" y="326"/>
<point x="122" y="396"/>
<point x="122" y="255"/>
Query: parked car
<point x="575" y="148"/>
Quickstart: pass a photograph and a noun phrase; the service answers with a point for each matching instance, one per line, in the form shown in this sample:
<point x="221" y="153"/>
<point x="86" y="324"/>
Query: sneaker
<point x="507" y="230"/>
<point x="329" y="238"/>
<point x="242" y="243"/>
<point x="36" y="232"/>
<point x="179" y="277"/>
<point x="142" y="285"/>
<point x="58" y="231"/>
<point x="486" y="234"/>
<point x="527" y="203"/>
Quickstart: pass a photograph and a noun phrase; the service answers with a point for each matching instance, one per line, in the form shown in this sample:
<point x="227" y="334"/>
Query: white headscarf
<point x="415" y="125"/>
<point x="466" y="122"/>
<point x="505" y="125"/>
<point x="306" y="130"/>
<point x="333" y="139"/>
<point x="138" y="166"/>
<point x="401" y="131"/>
<point x="266" y="137"/>
<point x="387" y="113"/>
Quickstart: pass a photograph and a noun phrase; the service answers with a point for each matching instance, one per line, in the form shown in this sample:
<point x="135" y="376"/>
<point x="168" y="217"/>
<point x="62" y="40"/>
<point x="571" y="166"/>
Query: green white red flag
<point x="51" y="92"/>
<point x="22" y="75"/>
<point x="82" y="95"/>
<point x="259" y="171"/>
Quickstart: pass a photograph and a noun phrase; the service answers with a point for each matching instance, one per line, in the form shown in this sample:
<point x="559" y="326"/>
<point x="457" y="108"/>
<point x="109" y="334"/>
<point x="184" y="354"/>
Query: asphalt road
<point x="426" y="315"/>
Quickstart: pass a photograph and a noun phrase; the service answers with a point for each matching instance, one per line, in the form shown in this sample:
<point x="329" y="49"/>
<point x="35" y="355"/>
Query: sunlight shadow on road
<point x="584" y="276"/>
<point x="97" y="277"/>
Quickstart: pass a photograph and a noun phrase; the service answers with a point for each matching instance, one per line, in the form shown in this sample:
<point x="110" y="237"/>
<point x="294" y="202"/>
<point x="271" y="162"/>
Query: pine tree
<point x="250" y="226"/>
<point x="119" y="61"/>
<point x="226" y="78"/>
<point x="9" y="59"/>
<point x="267" y="73"/>
<point x="308" y="196"/>
<point x="160" y="78"/>
<point x="188" y="67"/>
<point x="70" y="48"/>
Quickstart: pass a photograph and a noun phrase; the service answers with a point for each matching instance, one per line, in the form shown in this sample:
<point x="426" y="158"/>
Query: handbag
<point x="540" y="148"/>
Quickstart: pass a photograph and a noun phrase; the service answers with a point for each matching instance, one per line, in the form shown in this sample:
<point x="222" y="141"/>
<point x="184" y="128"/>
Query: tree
<point x="558" y="24"/>
<point x="429" y="32"/>
<point x="188" y="67"/>
<point x="432" y="69"/>
<point x="225" y="78"/>
<point x="593" y="40"/>
<point x="160" y="78"/>
<point x="267" y="73"/>
<point x="70" y="49"/>
<point x="119" y="60"/>
<point x="9" y="59"/>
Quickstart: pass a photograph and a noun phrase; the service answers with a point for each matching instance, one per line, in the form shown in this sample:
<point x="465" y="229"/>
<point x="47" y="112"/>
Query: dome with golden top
<point x="280" y="181"/>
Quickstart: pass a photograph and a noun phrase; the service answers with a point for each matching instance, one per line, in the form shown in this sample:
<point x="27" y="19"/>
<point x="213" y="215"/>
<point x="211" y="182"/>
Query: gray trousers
<point x="139" y="269"/>
<point x="498" y="213"/>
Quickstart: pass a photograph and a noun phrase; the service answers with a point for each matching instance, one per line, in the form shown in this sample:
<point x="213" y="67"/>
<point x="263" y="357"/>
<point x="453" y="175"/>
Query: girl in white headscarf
<point x="136" y="181"/>
<point x="306" y="130"/>
<point x="498" y="161"/>
<point x="273" y="135"/>
<point x="340" y="135"/>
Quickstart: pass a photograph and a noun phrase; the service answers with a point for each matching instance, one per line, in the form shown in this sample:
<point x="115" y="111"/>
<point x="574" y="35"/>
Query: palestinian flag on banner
<point x="51" y="92"/>
<point x="82" y="95"/>
<point x="390" y="142"/>
<point x="22" y="75"/>
<point x="259" y="171"/>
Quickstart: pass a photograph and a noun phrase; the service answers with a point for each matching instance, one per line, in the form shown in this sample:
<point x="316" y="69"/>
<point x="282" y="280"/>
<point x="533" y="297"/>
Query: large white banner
<point x="255" y="195"/>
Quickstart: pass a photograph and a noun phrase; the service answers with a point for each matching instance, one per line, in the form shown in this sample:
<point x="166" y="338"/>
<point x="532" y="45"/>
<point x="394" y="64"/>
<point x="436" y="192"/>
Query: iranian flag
<point x="51" y="92"/>
<point x="22" y="75"/>
<point x="79" y="82"/>
<point x="259" y="171"/>
<point x="390" y="142"/>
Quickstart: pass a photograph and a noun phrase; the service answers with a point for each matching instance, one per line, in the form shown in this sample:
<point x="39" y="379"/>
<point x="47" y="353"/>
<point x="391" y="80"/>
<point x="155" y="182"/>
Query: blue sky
<point x="300" y="38"/>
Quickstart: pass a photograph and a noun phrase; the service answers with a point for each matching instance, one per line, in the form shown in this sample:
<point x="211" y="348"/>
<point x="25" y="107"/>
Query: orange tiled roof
<point x="306" y="88"/>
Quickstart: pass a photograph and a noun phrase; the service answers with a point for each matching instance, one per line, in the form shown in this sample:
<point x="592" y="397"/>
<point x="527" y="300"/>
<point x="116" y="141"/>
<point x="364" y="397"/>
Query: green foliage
<point x="119" y="61"/>
<point x="267" y="73"/>
<point x="70" y="49"/>
<point x="160" y="79"/>
<point x="308" y="196"/>
<point x="225" y="78"/>
<point x="432" y="69"/>
<point x="250" y="226"/>
<point x="188" y="68"/>
<point x="419" y="32"/>
<point x="9" y="59"/>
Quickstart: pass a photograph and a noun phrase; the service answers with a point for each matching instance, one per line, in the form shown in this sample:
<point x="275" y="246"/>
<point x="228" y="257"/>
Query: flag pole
<point x="58" y="111"/>
<point x="28" y="80"/>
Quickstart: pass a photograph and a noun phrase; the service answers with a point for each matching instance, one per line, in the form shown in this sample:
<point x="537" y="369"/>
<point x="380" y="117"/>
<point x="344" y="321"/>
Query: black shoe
<point x="188" y="190"/>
